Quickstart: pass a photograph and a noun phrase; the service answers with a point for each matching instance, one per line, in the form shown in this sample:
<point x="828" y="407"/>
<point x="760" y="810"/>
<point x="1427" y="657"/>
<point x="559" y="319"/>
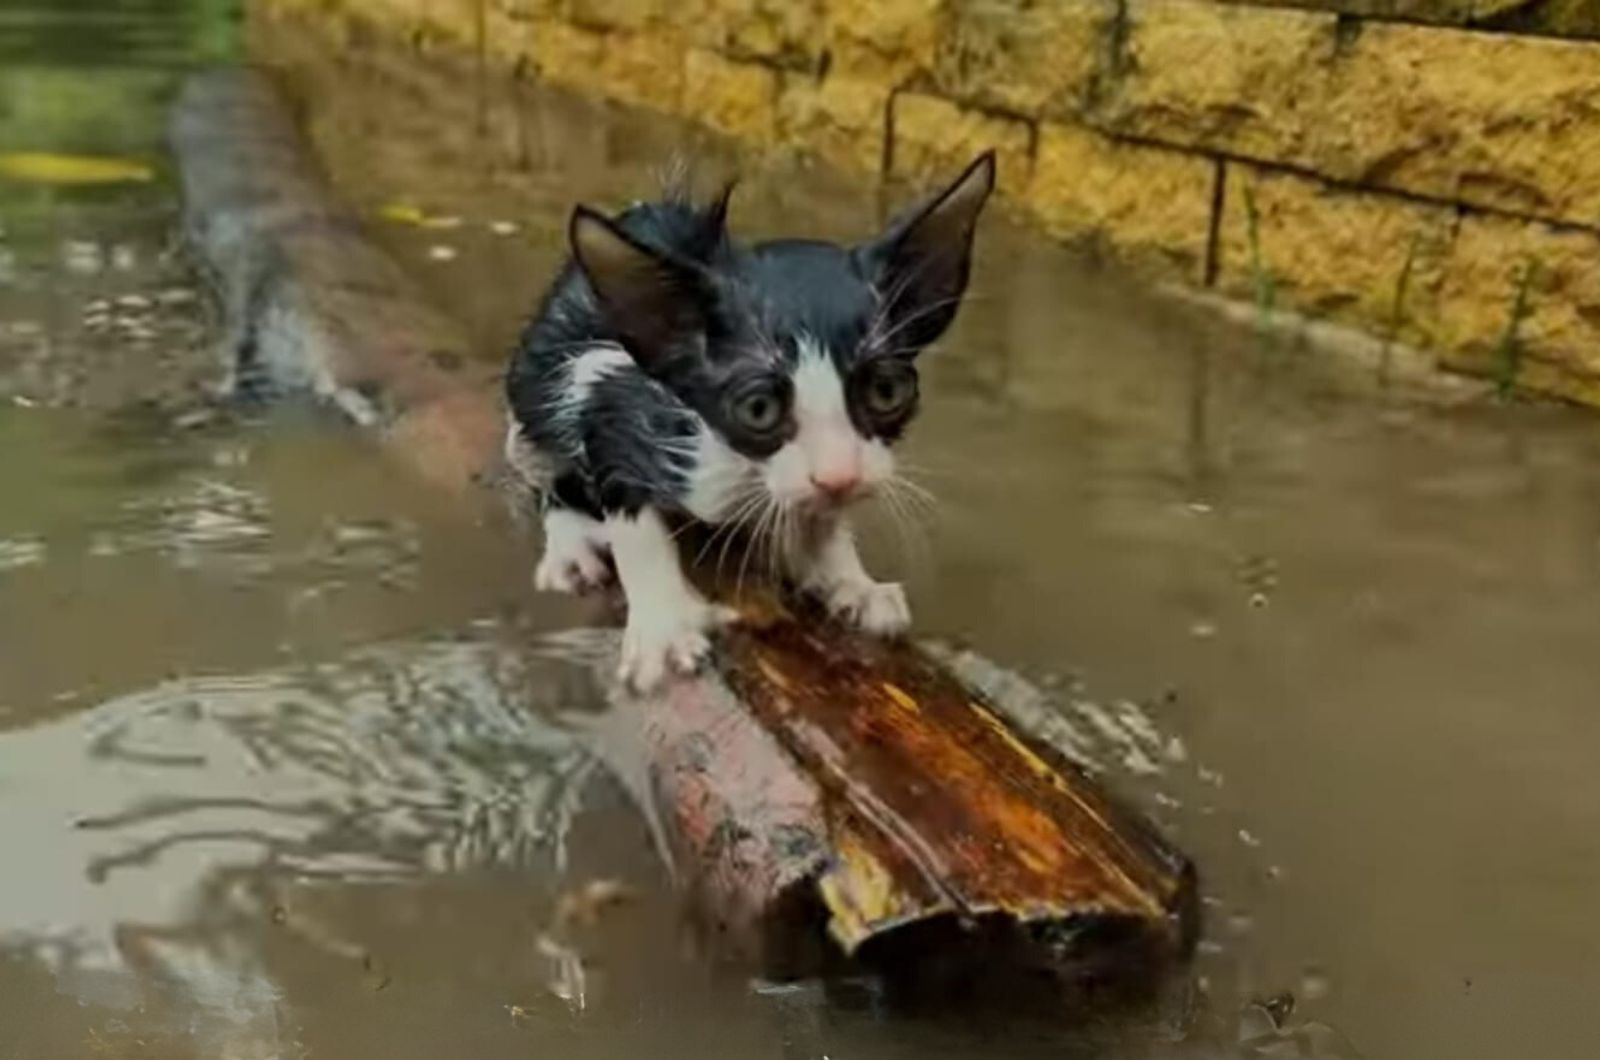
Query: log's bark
<point x="817" y="793"/>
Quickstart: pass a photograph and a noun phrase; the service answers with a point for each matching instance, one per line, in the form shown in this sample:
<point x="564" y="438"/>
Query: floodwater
<point x="289" y="764"/>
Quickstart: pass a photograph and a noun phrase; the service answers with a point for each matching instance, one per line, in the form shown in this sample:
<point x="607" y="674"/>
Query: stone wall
<point x="1428" y="170"/>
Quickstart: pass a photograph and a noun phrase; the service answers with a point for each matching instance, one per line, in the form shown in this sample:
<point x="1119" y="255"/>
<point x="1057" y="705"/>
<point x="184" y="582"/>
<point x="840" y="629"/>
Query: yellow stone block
<point x="1495" y="120"/>
<point x="786" y="32"/>
<point x="621" y="14"/>
<point x="1488" y="119"/>
<point x="935" y="139"/>
<point x="1335" y="252"/>
<point x="1148" y="205"/>
<point x="885" y="40"/>
<point x="642" y="69"/>
<point x="1036" y="59"/>
<point x="565" y="55"/>
<point x="840" y="119"/>
<point x="736" y="99"/>
<point x="1238" y="79"/>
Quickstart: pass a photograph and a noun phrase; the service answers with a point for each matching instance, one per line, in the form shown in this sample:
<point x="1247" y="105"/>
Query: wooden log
<point x="817" y="794"/>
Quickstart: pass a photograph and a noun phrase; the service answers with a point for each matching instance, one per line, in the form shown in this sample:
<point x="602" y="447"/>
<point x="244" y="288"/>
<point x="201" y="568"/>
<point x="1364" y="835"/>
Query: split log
<point x="817" y="793"/>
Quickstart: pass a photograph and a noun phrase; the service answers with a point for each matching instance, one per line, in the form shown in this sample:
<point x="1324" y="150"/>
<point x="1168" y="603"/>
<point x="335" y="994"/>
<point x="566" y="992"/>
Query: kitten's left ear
<point x="652" y="303"/>
<point x="922" y="263"/>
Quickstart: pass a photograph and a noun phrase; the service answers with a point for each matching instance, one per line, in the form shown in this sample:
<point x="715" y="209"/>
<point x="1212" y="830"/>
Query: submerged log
<point x="816" y="793"/>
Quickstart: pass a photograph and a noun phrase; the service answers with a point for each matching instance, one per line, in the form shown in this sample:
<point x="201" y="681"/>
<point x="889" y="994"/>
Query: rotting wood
<point x="816" y="784"/>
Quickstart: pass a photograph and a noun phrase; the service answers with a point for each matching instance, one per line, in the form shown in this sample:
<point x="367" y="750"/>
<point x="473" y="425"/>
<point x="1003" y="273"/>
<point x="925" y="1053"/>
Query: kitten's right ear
<point x="651" y="302"/>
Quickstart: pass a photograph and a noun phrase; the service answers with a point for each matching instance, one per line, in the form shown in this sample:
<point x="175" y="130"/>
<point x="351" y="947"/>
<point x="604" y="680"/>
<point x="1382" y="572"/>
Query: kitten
<point x="673" y="374"/>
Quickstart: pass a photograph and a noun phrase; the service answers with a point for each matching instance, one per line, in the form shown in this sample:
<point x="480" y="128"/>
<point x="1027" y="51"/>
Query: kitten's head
<point x="800" y="355"/>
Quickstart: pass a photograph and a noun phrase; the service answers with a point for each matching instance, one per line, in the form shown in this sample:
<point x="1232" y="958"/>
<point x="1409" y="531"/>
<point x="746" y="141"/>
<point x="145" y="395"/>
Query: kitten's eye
<point x="759" y="408"/>
<point x="890" y="389"/>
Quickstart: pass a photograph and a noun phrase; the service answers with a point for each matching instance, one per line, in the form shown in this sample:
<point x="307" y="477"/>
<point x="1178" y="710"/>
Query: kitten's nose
<point x="837" y="485"/>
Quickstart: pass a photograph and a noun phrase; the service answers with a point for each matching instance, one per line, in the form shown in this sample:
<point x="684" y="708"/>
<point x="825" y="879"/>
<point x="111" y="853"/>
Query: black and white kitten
<point x="674" y="374"/>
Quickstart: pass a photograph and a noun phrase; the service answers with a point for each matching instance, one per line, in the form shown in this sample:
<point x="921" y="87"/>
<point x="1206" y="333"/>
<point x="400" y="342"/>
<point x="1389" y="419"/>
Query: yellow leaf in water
<point x="403" y="213"/>
<point x="39" y="167"/>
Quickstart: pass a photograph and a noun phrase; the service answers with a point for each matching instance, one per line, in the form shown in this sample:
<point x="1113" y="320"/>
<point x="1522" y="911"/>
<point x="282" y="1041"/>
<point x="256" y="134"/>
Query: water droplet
<point x="1315" y="984"/>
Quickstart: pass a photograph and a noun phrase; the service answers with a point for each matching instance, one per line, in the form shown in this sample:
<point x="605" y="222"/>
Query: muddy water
<point x="288" y="758"/>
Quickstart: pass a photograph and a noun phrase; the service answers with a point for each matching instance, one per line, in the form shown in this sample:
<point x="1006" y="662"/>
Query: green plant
<point x="1397" y="309"/>
<point x="1263" y="288"/>
<point x="1508" y="351"/>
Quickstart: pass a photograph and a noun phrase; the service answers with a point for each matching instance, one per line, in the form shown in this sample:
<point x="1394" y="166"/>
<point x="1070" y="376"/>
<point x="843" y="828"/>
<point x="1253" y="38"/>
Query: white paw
<point x="577" y="570"/>
<point x="574" y="558"/>
<point x="662" y="641"/>
<point x="879" y="608"/>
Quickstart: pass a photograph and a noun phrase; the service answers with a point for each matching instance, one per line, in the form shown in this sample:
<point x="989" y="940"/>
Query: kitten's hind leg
<point x="832" y="571"/>
<point x="669" y="622"/>
<point x="575" y="542"/>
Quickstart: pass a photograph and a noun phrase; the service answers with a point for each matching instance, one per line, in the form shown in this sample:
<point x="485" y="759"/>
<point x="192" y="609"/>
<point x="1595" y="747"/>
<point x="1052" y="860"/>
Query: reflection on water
<point x="158" y="823"/>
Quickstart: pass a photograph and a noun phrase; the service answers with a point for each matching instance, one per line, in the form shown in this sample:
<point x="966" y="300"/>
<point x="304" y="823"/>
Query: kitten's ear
<point x="651" y="302"/>
<point x="921" y="264"/>
<point x="716" y="211"/>
<point x="712" y="235"/>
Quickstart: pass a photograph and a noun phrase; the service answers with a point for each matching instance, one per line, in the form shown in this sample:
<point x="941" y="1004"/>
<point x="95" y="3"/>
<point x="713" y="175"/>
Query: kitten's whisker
<point x="912" y="537"/>
<point x="769" y="508"/>
<point x="727" y="529"/>
<point x="914" y="491"/>
<point x="745" y="512"/>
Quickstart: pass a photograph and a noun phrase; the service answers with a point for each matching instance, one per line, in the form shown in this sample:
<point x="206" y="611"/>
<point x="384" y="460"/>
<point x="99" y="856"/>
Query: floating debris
<point x="441" y="252"/>
<point x="583" y="906"/>
<point x="407" y="213"/>
<point x="177" y="296"/>
<point x="568" y="981"/>
<point x="82" y="259"/>
<point x="504" y="228"/>
<point x="1315" y="984"/>
<point x="402" y="213"/>
<point x="41" y="167"/>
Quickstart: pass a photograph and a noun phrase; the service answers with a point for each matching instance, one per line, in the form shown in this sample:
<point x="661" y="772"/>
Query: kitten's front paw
<point x="579" y="569"/>
<point x="574" y="559"/>
<point x="879" y="608"/>
<point x="659" y="642"/>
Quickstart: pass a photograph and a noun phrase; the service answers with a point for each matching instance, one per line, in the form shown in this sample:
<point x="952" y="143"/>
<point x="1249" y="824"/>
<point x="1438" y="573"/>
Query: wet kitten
<point x="672" y="373"/>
